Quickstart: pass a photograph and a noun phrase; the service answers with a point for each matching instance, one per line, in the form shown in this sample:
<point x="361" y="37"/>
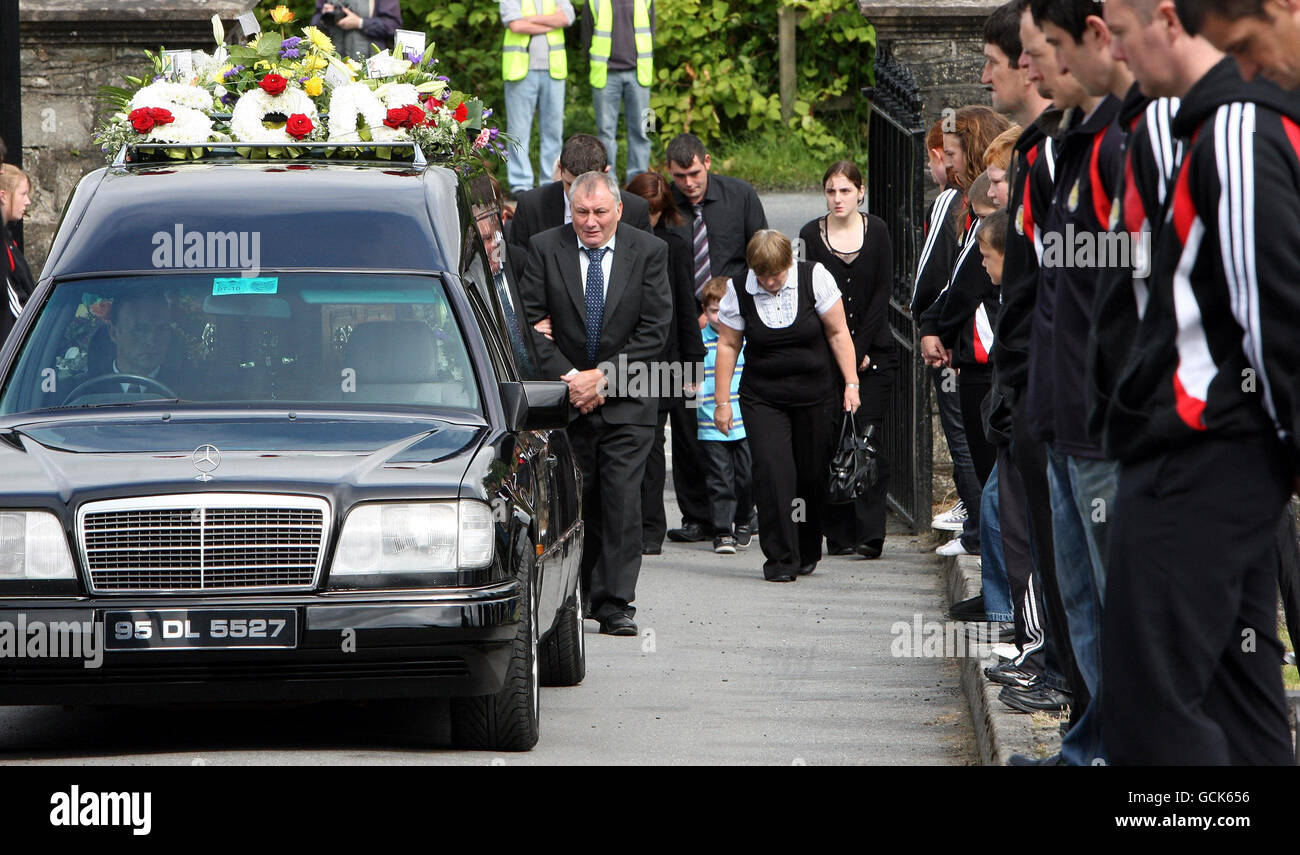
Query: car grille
<point x="205" y="542"/>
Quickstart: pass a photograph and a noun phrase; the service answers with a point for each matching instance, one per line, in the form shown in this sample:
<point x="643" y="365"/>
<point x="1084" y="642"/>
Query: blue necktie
<point x="595" y="301"/>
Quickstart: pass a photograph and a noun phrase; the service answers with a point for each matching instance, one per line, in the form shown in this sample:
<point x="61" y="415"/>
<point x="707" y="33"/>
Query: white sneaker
<point x="951" y="548"/>
<point x="953" y="519"/>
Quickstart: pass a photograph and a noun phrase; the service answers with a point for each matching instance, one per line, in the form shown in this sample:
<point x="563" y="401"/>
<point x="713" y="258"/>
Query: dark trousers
<point x="1190" y="653"/>
<point x="948" y="402"/>
<point x="612" y="460"/>
<point x="862" y="522"/>
<point x="791" y="452"/>
<point x="689" y="464"/>
<point x="1288" y="573"/>
<point x="1017" y="559"/>
<point x="1030" y="457"/>
<point x="972" y="386"/>
<point x="654" y="521"/>
<point x="730" y="484"/>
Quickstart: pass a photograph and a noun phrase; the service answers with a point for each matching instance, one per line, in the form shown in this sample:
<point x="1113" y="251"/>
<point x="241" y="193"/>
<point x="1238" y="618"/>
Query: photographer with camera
<point x="354" y="25"/>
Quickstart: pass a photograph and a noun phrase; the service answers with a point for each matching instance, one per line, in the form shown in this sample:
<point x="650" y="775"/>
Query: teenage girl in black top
<point x="854" y="248"/>
<point x="15" y="190"/>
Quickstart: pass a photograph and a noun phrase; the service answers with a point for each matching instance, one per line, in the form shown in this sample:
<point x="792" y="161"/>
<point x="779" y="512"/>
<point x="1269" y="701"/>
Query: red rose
<point x="414" y="116"/>
<point x="298" y="126"/>
<point x="462" y="112"/>
<point x="141" y="120"/>
<point x="396" y="117"/>
<point x="273" y="84"/>
<point x="161" y="116"/>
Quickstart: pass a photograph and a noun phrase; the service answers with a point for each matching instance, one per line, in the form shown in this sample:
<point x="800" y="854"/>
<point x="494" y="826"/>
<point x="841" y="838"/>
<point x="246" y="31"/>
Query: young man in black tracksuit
<point x="1203" y="419"/>
<point x="1076" y="250"/>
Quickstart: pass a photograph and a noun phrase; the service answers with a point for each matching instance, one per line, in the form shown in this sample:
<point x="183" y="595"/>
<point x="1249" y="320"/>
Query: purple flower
<point x="487" y="114"/>
<point x="233" y="72"/>
<point x="289" y="48"/>
<point x="412" y="56"/>
<point x="444" y="78"/>
<point x="229" y="98"/>
<point x="492" y="134"/>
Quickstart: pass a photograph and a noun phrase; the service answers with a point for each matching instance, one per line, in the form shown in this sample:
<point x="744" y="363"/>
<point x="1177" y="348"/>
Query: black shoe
<point x="1007" y="674"/>
<point x="724" y="544"/>
<point x="688" y="533"/>
<point x="618" y="624"/>
<point x="807" y="569"/>
<point x="647" y="549"/>
<point x="784" y="577"/>
<point x="744" y="535"/>
<point x="1039" y="698"/>
<point x="972" y="609"/>
<point x="839" y="550"/>
<point x="871" y="549"/>
<point x="1025" y="760"/>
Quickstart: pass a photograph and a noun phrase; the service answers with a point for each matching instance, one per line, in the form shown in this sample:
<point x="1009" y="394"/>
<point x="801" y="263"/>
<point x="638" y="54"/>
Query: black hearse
<point x="266" y="433"/>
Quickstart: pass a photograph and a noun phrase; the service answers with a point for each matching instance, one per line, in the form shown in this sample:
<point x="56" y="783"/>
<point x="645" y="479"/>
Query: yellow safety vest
<point x="602" y="43"/>
<point x="514" y="51"/>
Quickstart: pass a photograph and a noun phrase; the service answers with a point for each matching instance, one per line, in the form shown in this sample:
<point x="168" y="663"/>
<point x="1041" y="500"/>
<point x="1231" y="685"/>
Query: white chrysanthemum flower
<point x="187" y="126"/>
<point x="356" y="101"/>
<point x="254" y="105"/>
<point x="166" y="94"/>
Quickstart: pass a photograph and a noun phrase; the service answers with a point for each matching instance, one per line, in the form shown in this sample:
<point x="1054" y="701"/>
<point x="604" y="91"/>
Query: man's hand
<point x="933" y="351"/>
<point x="586" y="389"/>
<point x="350" y="20"/>
<point x="544" y="327"/>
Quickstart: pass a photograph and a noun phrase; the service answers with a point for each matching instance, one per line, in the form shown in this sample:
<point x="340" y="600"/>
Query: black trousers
<point x="1017" y="558"/>
<point x="1190" y="653"/>
<point x="972" y="385"/>
<point x="612" y="460"/>
<point x="689" y="465"/>
<point x="862" y="522"/>
<point x="654" y="520"/>
<point x="791" y="451"/>
<point x="730" y="483"/>
<point x="1030" y="457"/>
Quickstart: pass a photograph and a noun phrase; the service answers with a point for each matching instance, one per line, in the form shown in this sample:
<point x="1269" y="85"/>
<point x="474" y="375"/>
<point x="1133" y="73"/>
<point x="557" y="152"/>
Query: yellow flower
<point x="314" y="86"/>
<point x="281" y="15"/>
<point x="353" y="64"/>
<point x="319" y="39"/>
<point x="315" y="63"/>
<point x="219" y="76"/>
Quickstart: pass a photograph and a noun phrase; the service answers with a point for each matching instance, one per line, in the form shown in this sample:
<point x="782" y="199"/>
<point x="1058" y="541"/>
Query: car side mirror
<point x="536" y="405"/>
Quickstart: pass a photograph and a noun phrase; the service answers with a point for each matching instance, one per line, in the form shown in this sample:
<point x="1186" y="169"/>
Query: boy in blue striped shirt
<point x="728" y="479"/>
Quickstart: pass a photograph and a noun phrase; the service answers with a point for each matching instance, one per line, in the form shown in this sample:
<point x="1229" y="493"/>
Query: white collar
<point x="791" y="280"/>
<point x="583" y="248"/>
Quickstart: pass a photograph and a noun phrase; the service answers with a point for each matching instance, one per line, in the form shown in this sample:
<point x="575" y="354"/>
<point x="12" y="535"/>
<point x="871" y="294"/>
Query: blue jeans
<point x="1083" y="496"/>
<point x="542" y="94"/>
<point x="997" y="590"/>
<point x="621" y="88"/>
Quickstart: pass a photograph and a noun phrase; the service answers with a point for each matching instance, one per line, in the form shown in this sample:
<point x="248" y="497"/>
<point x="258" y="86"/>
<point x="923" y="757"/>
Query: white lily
<point x="218" y="30"/>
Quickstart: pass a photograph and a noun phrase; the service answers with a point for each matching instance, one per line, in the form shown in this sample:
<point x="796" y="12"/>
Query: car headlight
<point x="33" y="546"/>
<point x="405" y="539"/>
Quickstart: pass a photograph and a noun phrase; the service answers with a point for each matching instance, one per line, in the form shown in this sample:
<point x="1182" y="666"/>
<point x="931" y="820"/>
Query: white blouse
<point x="777" y="311"/>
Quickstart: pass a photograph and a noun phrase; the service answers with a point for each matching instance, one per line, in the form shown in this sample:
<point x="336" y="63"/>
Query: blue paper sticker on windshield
<point x="245" y="285"/>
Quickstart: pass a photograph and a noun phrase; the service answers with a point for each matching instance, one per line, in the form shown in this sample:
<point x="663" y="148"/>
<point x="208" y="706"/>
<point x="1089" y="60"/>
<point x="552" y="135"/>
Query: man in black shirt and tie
<point x="720" y="215"/>
<point x="604" y="286"/>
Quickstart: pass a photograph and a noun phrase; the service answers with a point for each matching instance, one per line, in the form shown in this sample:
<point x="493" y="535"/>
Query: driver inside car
<point x="140" y="329"/>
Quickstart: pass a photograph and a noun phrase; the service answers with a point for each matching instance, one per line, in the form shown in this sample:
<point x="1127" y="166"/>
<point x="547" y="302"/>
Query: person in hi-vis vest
<point x="534" y="66"/>
<point x="620" y="34"/>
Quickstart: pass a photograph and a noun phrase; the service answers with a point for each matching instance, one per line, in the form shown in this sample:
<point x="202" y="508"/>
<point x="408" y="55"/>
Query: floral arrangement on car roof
<point x="294" y="91"/>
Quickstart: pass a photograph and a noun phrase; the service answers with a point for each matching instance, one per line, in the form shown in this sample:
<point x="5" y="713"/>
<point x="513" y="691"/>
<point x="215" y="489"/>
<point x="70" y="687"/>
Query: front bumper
<point x="428" y="643"/>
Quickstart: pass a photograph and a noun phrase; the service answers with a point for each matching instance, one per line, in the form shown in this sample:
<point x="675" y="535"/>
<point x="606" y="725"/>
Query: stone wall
<point x="69" y="48"/>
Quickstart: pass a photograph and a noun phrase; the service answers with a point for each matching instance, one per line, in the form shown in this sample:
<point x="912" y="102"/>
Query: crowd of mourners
<point x="1106" y="296"/>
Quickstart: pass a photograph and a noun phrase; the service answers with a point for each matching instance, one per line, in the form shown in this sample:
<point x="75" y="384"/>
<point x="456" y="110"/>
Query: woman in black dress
<point x="854" y="247"/>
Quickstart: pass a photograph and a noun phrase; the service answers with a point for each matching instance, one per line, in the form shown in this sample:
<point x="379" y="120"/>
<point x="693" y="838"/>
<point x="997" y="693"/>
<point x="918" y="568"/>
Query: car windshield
<point x="289" y="338"/>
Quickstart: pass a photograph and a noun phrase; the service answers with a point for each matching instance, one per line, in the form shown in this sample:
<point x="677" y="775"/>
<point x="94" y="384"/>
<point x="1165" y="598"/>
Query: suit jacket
<point x="542" y="208"/>
<point x="638" y="312"/>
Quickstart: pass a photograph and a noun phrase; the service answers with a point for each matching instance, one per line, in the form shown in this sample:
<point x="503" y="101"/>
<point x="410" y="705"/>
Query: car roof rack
<point x="417" y="156"/>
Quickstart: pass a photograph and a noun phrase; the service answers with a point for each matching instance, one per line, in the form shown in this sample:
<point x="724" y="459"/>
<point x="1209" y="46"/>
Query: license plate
<point x="187" y="629"/>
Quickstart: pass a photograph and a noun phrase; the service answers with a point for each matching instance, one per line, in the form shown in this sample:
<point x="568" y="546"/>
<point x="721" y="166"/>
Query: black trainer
<point x="724" y="544"/>
<point x="972" y="609"/>
<point x="744" y="536"/>
<point x="1039" y="698"/>
<point x="688" y="533"/>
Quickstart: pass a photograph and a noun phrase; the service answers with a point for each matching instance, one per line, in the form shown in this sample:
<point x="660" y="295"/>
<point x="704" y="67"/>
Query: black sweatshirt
<point x="18" y="284"/>
<point x="962" y="317"/>
<point x="942" y="241"/>
<point x="1151" y="157"/>
<point x="1087" y="171"/>
<point x="865" y="285"/>
<point x="1217" y="353"/>
<point x="1032" y="177"/>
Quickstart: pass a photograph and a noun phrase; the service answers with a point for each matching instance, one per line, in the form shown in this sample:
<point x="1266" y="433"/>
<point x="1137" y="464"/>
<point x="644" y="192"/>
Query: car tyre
<point x="564" y="652"/>
<point x="508" y="720"/>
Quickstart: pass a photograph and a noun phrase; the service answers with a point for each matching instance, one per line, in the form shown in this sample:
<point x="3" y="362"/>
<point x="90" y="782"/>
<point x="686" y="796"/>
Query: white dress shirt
<point x="778" y="311"/>
<point x="606" y="263"/>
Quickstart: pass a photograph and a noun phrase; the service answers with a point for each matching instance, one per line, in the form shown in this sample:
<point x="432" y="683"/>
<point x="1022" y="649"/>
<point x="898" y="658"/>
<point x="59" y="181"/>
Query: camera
<point x="330" y="18"/>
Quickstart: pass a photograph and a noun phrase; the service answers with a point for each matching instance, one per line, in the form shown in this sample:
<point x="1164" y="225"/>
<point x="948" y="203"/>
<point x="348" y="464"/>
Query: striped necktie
<point x="595" y="301"/>
<point x="701" y="245"/>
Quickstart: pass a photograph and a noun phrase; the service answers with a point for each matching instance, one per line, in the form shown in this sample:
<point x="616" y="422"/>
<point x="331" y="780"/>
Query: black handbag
<point x="854" y="468"/>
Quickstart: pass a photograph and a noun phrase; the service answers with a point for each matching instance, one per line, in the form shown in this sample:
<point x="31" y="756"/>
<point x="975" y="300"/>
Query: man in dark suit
<point x="604" y="285"/>
<point x="547" y="206"/>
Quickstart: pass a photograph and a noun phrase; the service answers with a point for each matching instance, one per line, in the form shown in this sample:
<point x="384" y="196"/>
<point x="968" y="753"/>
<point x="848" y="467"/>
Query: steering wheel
<point x="134" y="379"/>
